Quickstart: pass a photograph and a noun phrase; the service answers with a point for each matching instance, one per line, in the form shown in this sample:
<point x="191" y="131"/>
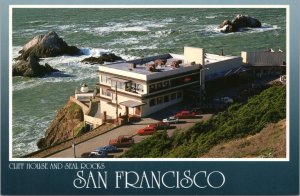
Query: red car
<point x="147" y="131"/>
<point x="185" y="114"/>
<point x="160" y="125"/>
<point x="122" y="141"/>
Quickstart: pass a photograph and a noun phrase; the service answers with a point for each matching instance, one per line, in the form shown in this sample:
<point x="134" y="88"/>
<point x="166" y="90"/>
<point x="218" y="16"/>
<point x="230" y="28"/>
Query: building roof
<point x="131" y="103"/>
<point x="141" y="72"/>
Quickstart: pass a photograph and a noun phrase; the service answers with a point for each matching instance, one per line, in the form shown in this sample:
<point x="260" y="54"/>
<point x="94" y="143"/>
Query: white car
<point x="227" y="100"/>
<point x="171" y="119"/>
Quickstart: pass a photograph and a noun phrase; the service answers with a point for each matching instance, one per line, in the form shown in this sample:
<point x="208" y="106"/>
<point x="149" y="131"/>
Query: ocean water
<point x="130" y="33"/>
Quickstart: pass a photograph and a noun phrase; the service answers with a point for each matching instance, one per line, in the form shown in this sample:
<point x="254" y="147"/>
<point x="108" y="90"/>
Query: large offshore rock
<point x="49" y="45"/>
<point x="31" y="68"/>
<point x="106" y="57"/>
<point x="240" y="21"/>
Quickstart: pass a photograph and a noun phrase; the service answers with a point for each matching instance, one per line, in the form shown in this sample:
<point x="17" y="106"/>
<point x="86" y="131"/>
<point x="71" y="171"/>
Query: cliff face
<point x="67" y="118"/>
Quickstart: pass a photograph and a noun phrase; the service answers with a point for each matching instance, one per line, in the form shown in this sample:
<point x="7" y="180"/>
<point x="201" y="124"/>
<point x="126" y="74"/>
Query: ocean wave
<point x="71" y="67"/>
<point x="215" y="30"/>
<point x="25" y="140"/>
<point x="164" y="33"/>
<point x="153" y="46"/>
<point x="211" y="17"/>
<point x="37" y="22"/>
<point x="67" y="27"/>
<point x="93" y="51"/>
<point x="129" y="26"/>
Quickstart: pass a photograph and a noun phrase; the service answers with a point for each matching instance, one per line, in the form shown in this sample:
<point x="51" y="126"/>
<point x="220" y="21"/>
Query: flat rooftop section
<point x="214" y="58"/>
<point x="141" y="64"/>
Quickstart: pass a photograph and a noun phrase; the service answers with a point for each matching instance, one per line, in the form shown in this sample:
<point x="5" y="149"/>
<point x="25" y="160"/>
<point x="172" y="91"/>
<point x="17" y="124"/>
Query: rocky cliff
<point x="48" y="45"/>
<point x="67" y="118"/>
<point x="240" y="21"/>
<point x="31" y="68"/>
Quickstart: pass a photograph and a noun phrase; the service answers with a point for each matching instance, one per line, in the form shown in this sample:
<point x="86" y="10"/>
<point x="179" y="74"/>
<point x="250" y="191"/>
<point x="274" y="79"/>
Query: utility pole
<point x="73" y="144"/>
<point x="117" y="115"/>
<point x="202" y="82"/>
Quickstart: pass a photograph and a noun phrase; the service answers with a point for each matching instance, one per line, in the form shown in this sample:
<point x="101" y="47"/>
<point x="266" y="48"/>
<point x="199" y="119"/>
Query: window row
<point x="165" y="98"/>
<point x="126" y="86"/>
<point x="159" y="86"/>
<point x="173" y="82"/>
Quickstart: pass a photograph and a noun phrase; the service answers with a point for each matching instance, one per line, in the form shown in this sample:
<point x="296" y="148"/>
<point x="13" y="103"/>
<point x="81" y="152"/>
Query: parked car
<point x="98" y="154"/>
<point x="185" y="114"/>
<point x="122" y="141"/>
<point x="226" y="100"/>
<point x="147" y="131"/>
<point x="94" y="154"/>
<point x="172" y="119"/>
<point x="108" y="149"/>
<point x="160" y="125"/>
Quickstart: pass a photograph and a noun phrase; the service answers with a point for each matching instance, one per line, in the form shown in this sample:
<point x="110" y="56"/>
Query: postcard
<point x="147" y="99"/>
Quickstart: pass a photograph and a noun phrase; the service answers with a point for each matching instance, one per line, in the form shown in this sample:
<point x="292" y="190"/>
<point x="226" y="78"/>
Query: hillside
<point x="238" y="121"/>
<point x="60" y="129"/>
<point x="268" y="143"/>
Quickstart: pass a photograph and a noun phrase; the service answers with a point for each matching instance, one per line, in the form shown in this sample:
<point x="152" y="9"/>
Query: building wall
<point x="123" y="72"/>
<point x="262" y="58"/>
<point x="148" y="109"/>
<point x="192" y="54"/>
<point x="92" y="120"/>
<point x="110" y="108"/>
<point x="222" y="66"/>
<point x="104" y="79"/>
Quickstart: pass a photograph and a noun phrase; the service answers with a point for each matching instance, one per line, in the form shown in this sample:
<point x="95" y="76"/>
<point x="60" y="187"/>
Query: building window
<point x="133" y="87"/>
<point x="108" y="80"/>
<point x="166" y="84"/>
<point x="159" y="85"/>
<point x="106" y="93"/>
<point x="173" y="96"/>
<point x="151" y="88"/>
<point x="139" y="88"/>
<point x="121" y="85"/>
<point x="159" y="100"/>
<point x="128" y="86"/>
<point x="152" y="102"/>
<point x="179" y="95"/>
<point x="166" y="98"/>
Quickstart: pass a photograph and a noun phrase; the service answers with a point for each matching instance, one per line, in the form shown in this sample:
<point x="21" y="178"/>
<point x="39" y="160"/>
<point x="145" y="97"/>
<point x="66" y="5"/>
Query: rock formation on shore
<point x="240" y="21"/>
<point x="31" y="68"/>
<point x="67" y="118"/>
<point x="49" y="45"/>
<point x="106" y="57"/>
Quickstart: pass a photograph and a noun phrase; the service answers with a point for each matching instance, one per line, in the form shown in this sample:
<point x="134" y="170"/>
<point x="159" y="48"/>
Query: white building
<point x="264" y="63"/>
<point x="144" y="86"/>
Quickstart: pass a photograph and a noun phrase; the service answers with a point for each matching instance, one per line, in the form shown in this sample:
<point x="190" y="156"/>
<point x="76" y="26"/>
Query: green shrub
<point x="236" y="122"/>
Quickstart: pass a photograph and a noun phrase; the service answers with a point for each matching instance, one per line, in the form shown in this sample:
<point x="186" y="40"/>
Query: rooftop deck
<point x="141" y="71"/>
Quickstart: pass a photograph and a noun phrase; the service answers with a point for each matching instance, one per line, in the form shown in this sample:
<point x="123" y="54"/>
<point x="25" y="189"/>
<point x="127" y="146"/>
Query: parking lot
<point x="103" y="140"/>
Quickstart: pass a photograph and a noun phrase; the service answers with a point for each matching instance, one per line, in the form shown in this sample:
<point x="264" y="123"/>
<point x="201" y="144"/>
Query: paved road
<point x="103" y="139"/>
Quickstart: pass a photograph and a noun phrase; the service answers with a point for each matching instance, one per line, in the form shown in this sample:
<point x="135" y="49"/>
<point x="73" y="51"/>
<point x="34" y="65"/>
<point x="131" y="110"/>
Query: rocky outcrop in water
<point x="67" y="118"/>
<point x="240" y="21"/>
<point x="31" y="68"/>
<point x="49" y="45"/>
<point x="106" y="57"/>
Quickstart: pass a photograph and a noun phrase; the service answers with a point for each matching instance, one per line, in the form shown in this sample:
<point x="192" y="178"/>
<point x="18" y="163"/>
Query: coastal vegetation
<point x="238" y="121"/>
<point x="60" y="129"/>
